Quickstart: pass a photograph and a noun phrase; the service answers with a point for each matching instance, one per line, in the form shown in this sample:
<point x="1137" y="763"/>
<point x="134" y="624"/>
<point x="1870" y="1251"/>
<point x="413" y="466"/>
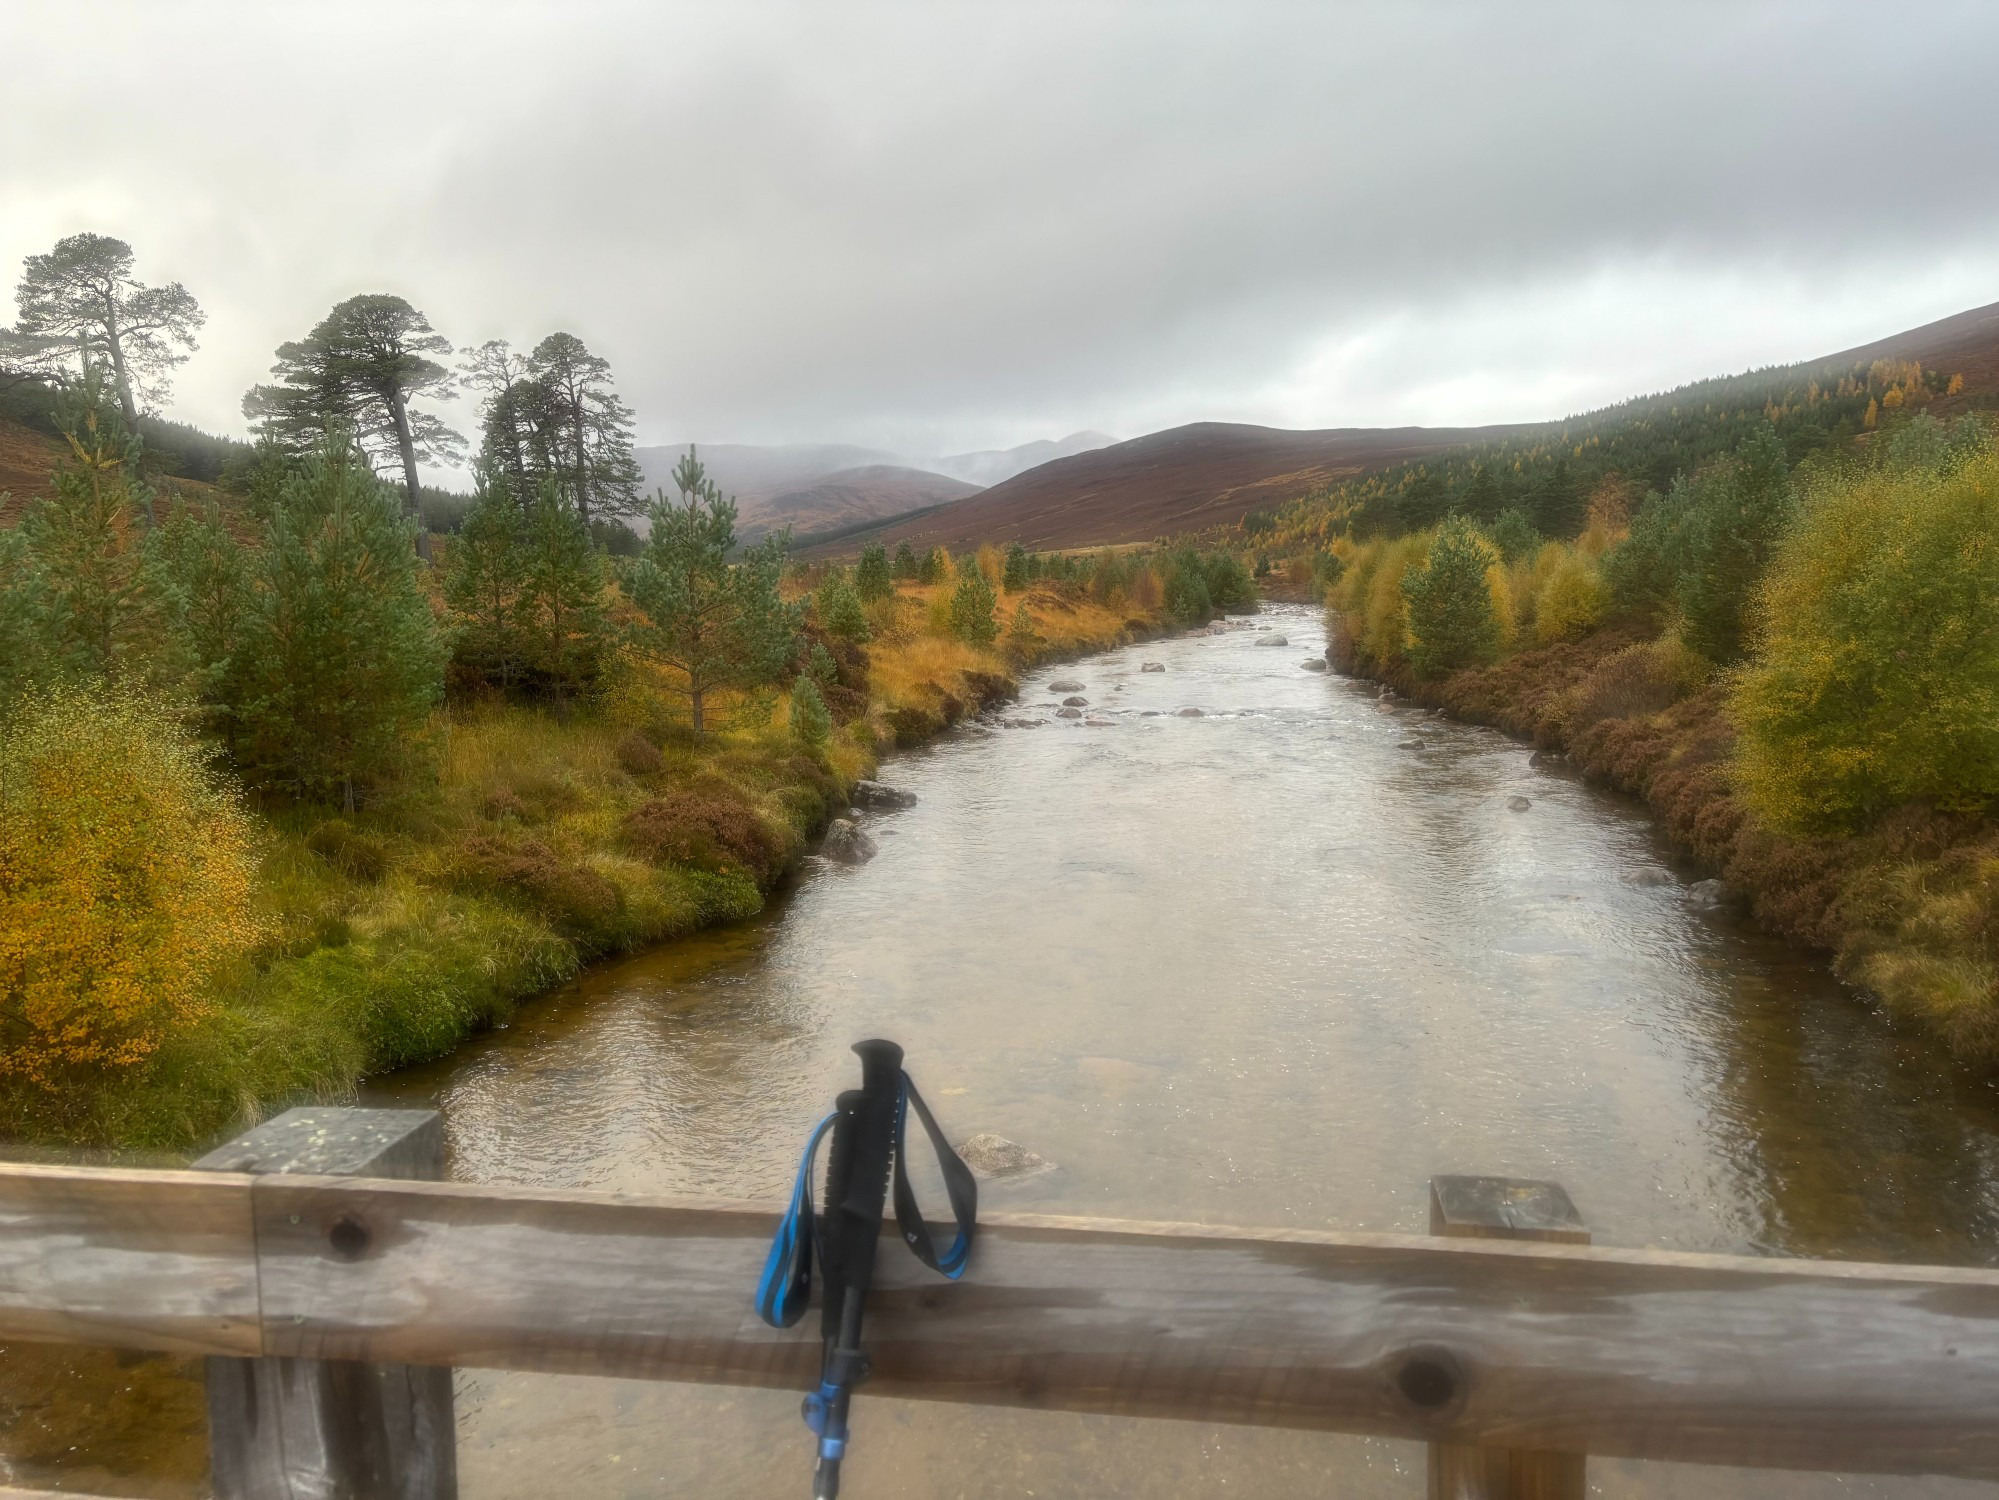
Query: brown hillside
<point x="1966" y="344"/>
<point x="1183" y="479"/>
<point x="874" y="492"/>
<point x="26" y="459"/>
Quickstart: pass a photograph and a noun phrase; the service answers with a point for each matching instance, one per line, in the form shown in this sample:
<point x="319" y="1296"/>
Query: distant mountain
<point x="872" y="493"/>
<point x="822" y="486"/>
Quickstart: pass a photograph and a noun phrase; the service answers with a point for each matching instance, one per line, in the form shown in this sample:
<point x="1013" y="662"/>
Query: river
<point x="1270" y="966"/>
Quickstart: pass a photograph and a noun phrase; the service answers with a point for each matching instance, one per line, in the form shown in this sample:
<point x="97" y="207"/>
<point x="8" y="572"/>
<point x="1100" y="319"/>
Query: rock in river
<point x="992" y="1156"/>
<point x="1152" y="666"/>
<point x="1647" y="875"/>
<point x="874" y="794"/>
<point x="847" y="844"/>
<point x="1709" y="895"/>
<point x="1275" y="640"/>
<point x="1313" y="664"/>
<point x="1073" y="702"/>
<point x="1192" y="713"/>
<point x="1068" y="713"/>
<point x="1065" y="686"/>
<point x="1517" y="804"/>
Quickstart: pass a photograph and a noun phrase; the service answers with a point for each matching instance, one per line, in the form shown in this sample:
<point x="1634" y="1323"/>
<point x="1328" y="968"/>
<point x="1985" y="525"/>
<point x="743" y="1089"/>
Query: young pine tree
<point x="202" y="579"/>
<point x="972" y="609"/>
<point x="872" y="579"/>
<point x="561" y="594"/>
<point x="838" y="606"/>
<point x="1016" y="574"/>
<point x="1744" y="511"/>
<point x="341" y="656"/>
<point x="906" y="565"/>
<point x="721" y="625"/>
<point x="482" y="587"/>
<point x="1452" y="622"/>
<point x="810" y="719"/>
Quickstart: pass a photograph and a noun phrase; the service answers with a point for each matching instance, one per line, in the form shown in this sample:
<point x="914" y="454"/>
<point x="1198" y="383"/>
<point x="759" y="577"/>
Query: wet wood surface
<point x="1559" y="1347"/>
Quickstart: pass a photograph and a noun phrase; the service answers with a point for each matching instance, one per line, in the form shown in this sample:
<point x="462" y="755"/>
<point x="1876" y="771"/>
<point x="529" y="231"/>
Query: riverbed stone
<point x="993" y="1157"/>
<point x="1068" y="713"/>
<point x="1152" y="666"/>
<point x="1066" y="685"/>
<point x="847" y="844"/>
<point x="1408" y="744"/>
<point x="1647" y="875"/>
<point x="1518" y="804"/>
<point x="1074" y="702"/>
<point x="1313" y="664"/>
<point x="1275" y="640"/>
<point x="1709" y="895"/>
<point x="880" y="796"/>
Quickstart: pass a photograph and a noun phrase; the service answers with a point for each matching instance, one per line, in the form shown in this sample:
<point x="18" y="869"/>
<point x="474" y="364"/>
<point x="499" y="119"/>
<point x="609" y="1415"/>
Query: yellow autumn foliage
<point x="125" y="876"/>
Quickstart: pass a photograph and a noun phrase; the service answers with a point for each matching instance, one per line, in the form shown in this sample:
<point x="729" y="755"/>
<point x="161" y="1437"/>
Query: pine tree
<point x="482" y="586"/>
<point x="838" y="607"/>
<point x="906" y="565"/>
<point x="1017" y="571"/>
<point x="561" y="593"/>
<point x="588" y="427"/>
<point x="1452" y="621"/>
<point x="872" y="580"/>
<point x="972" y="609"/>
<point x="203" y="581"/>
<point x="1743" y="510"/>
<point x="341" y="656"/>
<point x="1513" y="534"/>
<point x="98" y="614"/>
<point x="720" y="625"/>
<point x="24" y="662"/>
<point x="810" y="719"/>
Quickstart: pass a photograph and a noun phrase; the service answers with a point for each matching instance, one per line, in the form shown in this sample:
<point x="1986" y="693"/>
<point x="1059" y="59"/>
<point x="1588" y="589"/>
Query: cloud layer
<point x="934" y="228"/>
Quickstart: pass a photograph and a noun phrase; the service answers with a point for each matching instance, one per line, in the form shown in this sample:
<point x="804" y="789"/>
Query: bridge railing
<point x="1515" y="1346"/>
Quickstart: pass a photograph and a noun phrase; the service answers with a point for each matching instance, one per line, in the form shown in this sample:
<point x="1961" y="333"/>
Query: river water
<point x="1275" y="965"/>
<point x="1271" y="966"/>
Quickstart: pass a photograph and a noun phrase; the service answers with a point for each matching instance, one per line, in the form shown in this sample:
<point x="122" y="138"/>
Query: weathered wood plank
<point x="1546" y="1346"/>
<point x="131" y="1259"/>
<point x="1569" y="1348"/>
<point x="1505" y="1208"/>
<point x="321" y="1429"/>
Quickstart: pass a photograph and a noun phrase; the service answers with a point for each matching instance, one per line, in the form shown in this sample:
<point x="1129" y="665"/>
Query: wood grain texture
<point x="1569" y="1348"/>
<point x="1505" y="1208"/>
<point x="131" y="1259"/>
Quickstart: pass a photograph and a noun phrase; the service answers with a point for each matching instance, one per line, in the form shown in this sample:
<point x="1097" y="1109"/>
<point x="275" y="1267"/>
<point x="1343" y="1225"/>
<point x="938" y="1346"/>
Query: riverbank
<point x="520" y="845"/>
<point x="1907" y="911"/>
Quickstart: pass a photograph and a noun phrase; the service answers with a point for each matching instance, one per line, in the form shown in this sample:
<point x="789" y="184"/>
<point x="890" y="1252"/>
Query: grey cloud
<point x="932" y="227"/>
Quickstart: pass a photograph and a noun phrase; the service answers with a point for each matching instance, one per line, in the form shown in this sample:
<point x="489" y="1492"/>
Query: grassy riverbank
<point x="520" y="844"/>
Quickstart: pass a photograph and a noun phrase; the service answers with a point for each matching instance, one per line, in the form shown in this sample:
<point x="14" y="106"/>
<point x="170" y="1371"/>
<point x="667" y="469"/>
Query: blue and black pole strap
<point x="869" y="1133"/>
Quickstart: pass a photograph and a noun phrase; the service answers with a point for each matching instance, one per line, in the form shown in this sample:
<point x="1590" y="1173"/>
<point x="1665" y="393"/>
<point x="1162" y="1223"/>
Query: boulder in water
<point x="1275" y="640"/>
<point x="1065" y="686"/>
<point x="1152" y="666"/>
<point x="1709" y="895"/>
<point x="1075" y="702"/>
<point x="994" y="1156"/>
<point x="875" y="794"/>
<point x="847" y="844"/>
<point x="1068" y="713"/>
<point x="1313" y="664"/>
<point x="1517" y="804"/>
<point x="1192" y="713"/>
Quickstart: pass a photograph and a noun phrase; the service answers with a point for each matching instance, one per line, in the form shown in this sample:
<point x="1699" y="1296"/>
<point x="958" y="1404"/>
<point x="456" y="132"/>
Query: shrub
<point x="348" y="850"/>
<point x="1230" y="586"/>
<point x="576" y="900"/>
<point x="1876" y="680"/>
<point x="1647" y="678"/>
<point x="1452" y="623"/>
<point x="809" y="719"/>
<point x="704" y="827"/>
<point x="972" y="609"/>
<point x="639" y="755"/>
<point x="125" y="870"/>
<point x="1572" y="602"/>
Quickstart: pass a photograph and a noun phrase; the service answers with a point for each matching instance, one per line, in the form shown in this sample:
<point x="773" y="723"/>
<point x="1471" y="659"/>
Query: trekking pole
<point x="867" y="1129"/>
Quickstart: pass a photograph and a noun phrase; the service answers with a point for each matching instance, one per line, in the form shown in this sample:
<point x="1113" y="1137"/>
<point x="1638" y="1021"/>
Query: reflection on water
<point x="1275" y="965"/>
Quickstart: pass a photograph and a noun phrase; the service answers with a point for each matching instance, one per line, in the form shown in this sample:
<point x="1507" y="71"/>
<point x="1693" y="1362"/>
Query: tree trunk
<point x="694" y="694"/>
<point x="582" y="468"/>
<point x="399" y="414"/>
<point x="118" y="371"/>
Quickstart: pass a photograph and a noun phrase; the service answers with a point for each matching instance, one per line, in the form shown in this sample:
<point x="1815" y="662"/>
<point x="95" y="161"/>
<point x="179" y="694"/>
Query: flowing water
<point x="1273" y="965"/>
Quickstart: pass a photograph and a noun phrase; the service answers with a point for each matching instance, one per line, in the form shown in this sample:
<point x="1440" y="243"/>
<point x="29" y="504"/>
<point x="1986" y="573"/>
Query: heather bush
<point x="706" y="827"/>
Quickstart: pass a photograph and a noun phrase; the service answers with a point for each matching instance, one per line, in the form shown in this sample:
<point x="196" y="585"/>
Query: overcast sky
<point x="931" y="228"/>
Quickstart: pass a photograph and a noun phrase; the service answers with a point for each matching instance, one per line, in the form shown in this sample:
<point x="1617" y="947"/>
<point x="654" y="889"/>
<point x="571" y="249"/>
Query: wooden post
<point x="1504" y="1208"/>
<point x="312" y="1429"/>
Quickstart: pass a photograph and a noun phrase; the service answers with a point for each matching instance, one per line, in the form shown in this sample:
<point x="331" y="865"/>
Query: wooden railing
<point x="1524" y="1345"/>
